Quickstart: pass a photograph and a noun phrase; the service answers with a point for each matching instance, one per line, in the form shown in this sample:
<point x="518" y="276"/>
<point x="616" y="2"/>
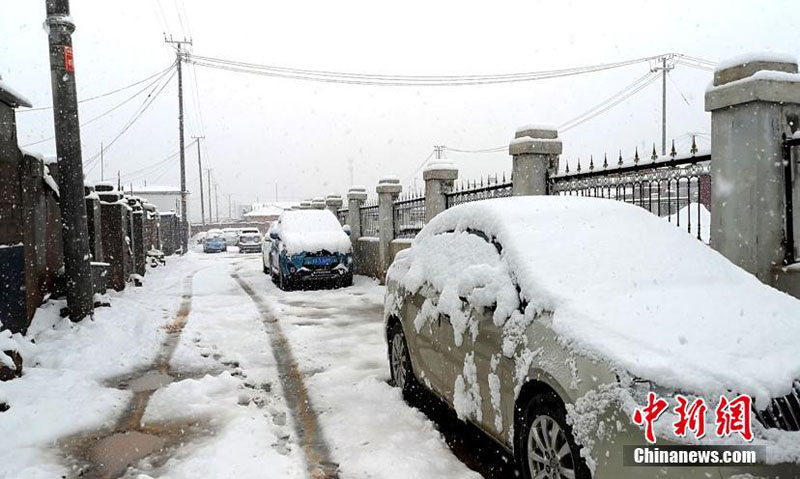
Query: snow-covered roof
<point x="11" y="97"/>
<point x="157" y="189"/>
<point x="626" y="286"/>
<point x="268" y="209"/>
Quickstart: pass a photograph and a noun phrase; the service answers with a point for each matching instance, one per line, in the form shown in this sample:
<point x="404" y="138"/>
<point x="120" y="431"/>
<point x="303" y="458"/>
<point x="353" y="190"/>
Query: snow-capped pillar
<point x="388" y="190"/>
<point x="535" y="150"/>
<point x="318" y="203"/>
<point x="334" y="204"/>
<point x="356" y="197"/>
<point x="754" y="102"/>
<point x="439" y="177"/>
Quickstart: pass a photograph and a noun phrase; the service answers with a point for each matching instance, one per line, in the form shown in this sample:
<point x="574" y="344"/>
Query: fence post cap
<point x="758" y="77"/>
<point x="535" y="146"/>
<point x="440" y="170"/>
<point x="743" y="66"/>
<point x="357" y="188"/>
<point x="390" y="179"/>
<point x="359" y="194"/>
<point x="334" y="200"/>
<point x="389" y="185"/>
<point x="548" y="132"/>
<point x="318" y="203"/>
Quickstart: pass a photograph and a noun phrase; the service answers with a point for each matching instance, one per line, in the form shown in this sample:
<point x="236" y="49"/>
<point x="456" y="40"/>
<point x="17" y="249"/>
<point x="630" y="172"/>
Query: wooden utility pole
<point x="184" y="216"/>
<point x="208" y="183"/>
<point x="74" y="229"/>
<point x="200" y="178"/>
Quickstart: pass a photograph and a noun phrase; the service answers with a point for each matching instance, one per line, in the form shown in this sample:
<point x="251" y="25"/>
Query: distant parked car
<point x="548" y="321"/>
<point x="249" y="240"/>
<point x="214" y="242"/>
<point x="309" y="248"/>
<point x="231" y="236"/>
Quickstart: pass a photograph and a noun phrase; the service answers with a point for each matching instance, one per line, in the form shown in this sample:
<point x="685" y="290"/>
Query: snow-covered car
<point x="214" y="242"/>
<point x="231" y="236"/>
<point x="309" y="248"/>
<point x="249" y="240"/>
<point x="547" y="321"/>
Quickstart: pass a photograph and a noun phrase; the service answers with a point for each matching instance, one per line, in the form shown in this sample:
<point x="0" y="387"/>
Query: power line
<point x="109" y="111"/>
<point x="103" y="95"/>
<point x="90" y="163"/>
<point x="400" y="80"/>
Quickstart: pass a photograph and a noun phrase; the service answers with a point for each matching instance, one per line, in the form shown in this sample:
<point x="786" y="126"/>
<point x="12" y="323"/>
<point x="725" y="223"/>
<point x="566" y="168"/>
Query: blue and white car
<point x="214" y="242"/>
<point x="309" y="248"/>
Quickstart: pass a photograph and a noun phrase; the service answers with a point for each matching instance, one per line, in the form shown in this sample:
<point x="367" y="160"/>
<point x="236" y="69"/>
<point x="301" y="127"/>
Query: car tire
<point x="544" y="416"/>
<point x="283" y="282"/>
<point x="264" y="267"/>
<point x="402" y="374"/>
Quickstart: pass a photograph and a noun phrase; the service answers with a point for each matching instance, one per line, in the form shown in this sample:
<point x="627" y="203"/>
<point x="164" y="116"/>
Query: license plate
<point x="322" y="261"/>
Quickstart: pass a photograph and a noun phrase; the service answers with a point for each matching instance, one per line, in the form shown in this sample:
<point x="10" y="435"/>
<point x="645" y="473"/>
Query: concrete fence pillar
<point x="334" y="204"/>
<point x="535" y="151"/>
<point x="356" y="197"/>
<point x="388" y="190"/>
<point x="439" y="177"/>
<point x="753" y="103"/>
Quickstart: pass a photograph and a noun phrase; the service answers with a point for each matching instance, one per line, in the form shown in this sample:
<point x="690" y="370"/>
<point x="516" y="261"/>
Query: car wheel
<point x="546" y="447"/>
<point x="264" y="267"/>
<point x="400" y="362"/>
<point x="283" y="282"/>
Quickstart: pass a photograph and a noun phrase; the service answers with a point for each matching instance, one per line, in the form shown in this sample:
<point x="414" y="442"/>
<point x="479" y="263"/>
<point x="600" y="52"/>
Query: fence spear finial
<point x="636" y="156"/>
<point x="566" y="170"/>
<point x="504" y="176"/>
<point x="654" y="155"/>
<point x="591" y="162"/>
<point x="579" y="164"/>
<point x="672" y="152"/>
<point x="619" y="162"/>
<point x="694" y="145"/>
<point x="605" y="161"/>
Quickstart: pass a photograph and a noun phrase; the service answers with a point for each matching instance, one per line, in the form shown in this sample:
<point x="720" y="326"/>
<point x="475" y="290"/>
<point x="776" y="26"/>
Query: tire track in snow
<point x="307" y="428"/>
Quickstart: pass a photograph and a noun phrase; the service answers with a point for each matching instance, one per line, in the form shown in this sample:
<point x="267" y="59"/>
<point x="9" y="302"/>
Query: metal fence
<point x="369" y="219"/>
<point x="475" y="191"/>
<point x="342" y="215"/>
<point x="676" y="187"/>
<point x="409" y="215"/>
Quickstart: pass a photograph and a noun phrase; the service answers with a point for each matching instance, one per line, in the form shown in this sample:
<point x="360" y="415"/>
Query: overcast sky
<point x="303" y="136"/>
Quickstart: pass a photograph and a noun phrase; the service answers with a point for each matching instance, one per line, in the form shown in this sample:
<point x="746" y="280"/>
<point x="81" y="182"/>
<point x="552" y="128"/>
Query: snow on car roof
<point x="631" y="288"/>
<point x="312" y="231"/>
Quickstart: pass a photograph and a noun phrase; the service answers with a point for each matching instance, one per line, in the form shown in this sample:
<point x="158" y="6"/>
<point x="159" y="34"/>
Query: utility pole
<point x="200" y="178"/>
<point x="184" y="218"/>
<point x="102" y="165"/>
<point x="230" y="215"/>
<point x="439" y="149"/>
<point x="208" y="177"/>
<point x="666" y="66"/>
<point x="216" y="201"/>
<point x="74" y="229"/>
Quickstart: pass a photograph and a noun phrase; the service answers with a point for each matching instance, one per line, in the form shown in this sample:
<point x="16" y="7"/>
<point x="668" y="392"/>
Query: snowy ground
<point x="185" y="365"/>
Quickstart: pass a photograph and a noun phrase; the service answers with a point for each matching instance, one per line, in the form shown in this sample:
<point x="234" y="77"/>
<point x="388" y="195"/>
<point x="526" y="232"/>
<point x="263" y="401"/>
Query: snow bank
<point x="688" y="217"/>
<point x="626" y="286"/>
<point x="312" y="231"/>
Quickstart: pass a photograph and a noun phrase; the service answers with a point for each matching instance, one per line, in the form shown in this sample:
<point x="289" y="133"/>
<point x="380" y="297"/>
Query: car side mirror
<point x="273" y="235"/>
<point x="347" y="230"/>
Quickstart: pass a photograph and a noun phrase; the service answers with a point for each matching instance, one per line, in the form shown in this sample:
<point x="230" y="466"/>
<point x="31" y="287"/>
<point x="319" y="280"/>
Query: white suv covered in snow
<point x="546" y="321"/>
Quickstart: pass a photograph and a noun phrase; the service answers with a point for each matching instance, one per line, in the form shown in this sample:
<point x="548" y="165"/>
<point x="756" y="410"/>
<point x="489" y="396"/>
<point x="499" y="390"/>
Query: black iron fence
<point x="342" y="215"/>
<point x="369" y="219"/>
<point x="790" y="247"/>
<point x="409" y="215"/>
<point x="677" y="188"/>
<point x="493" y="187"/>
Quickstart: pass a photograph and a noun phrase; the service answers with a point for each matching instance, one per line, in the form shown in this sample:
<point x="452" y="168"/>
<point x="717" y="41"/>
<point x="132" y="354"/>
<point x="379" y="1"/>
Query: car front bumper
<point x="250" y="248"/>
